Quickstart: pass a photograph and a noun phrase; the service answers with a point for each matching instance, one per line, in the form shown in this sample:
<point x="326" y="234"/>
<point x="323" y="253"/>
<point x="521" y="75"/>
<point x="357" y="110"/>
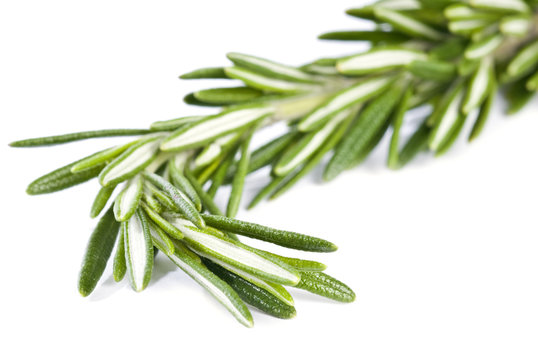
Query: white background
<point x="442" y="255"/>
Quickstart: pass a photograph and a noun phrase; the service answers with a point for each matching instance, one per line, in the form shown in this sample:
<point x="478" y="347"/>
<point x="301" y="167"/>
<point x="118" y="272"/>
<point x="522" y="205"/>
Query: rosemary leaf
<point x="98" y="252"/>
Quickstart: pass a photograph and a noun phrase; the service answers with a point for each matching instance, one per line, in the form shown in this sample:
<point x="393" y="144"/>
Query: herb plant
<point x="450" y="57"/>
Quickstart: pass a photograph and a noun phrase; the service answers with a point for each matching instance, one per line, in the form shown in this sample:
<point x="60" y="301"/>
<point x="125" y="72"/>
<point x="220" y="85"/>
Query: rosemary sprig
<point x="451" y="57"/>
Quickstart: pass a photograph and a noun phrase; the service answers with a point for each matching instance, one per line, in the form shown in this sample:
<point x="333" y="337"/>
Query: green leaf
<point x="270" y="68"/>
<point x="432" y="69"/>
<point x="98" y="252"/>
<point x="200" y="133"/>
<point x="214" y="246"/>
<point x="448" y="117"/>
<point x="227" y="96"/>
<point x="407" y="24"/>
<point x="324" y="285"/>
<point x="524" y="62"/>
<point x="219" y="289"/>
<point x="131" y="162"/>
<point x="170" y="125"/>
<point x="484" y="47"/>
<point x="205" y="73"/>
<point x="397" y="122"/>
<point x="378" y="59"/>
<point x="361" y="92"/>
<point x="62" y="139"/>
<point x="100" y="158"/>
<point x="480" y="86"/>
<point x="120" y="267"/>
<point x="239" y="178"/>
<point x="160" y="239"/>
<point x="139" y="250"/>
<point x="373" y="118"/>
<point x="307" y="146"/>
<point x="467" y="27"/>
<point x="283" y="238"/>
<point x="298" y="264"/>
<point x="181" y="182"/>
<point x="483" y="114"/>
<point x="253" y="294"/>
<point x="266" y="83"/>
<point x="503" y="6"/>
<point x="515" y="25"/>
<point x="127" y="201"/>
<point x="181" y="200"/>
<point x="417" y="142"/>
<point x="61" y="179"/>
<point x="372" y="36"/>
<point x="162" y="223"/>
<point x="101" y="200"/>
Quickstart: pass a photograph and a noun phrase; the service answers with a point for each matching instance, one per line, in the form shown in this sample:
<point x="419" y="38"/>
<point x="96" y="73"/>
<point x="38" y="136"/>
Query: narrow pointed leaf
<point x="163" y="223"/>
<point x="62" y="139"/>
<point x="266" y="83"/>
<point x="194" y="135"/>
<point x="407" y="24"/>
<point x="283" y="238"/>
<point x="61" y="179"/>
<point x="253" y="294"/>
<point x="483" y="115"/>
<point x="227" y="96"/>
<point x="183" y="184"/>
<point x="308" y="145"/>
<point x="448" y="119"/>
<point x="127" y="201"/>
<point x="501" y="5"/>
<point x="298" y="264"/>
<point x="209" y="244"/>
<point x="160" y="239"/>
<point x="417" y="142"/>
<point x="397" y="122"/>
<point x="131" y="162"/>
<point x="324" y="285"/>
<point x="515" y="25"/>
<point x="484" y="47"/>
<point x="181" y="200"/>
<point x="270" y="68"/>
<point x="379" y="59"/>
<point x="101" y="200"/>
<point x="372" y="36"/>
<point x="480" y="86"/>
<point x="170" y="125"/>
<point x="205" y="73"/>
<point x="524" y="61"/>
<point x="361" y="92"/>
<point x="101" y="158"/>
<point x="98" y="252"/>
<point x="432" y="69"/>
<point x="138" y="250"/>
<point x="239" y="177"/>
<point x="120" y="267"/>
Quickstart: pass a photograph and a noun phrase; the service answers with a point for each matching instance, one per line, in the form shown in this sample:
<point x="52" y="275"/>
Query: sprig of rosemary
<point x="451" y="57"/>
